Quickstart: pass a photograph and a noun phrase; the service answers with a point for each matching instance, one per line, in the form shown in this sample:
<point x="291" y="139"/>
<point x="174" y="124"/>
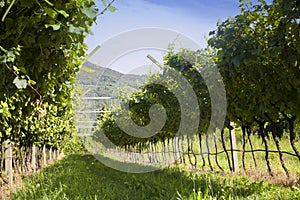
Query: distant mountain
<point x="100" y="81"/>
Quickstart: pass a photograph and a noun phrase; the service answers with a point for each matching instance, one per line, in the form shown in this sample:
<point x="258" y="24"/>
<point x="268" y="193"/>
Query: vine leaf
<point x="64" y="13"/>
<point x="112" y="8"/>
<point x="31" y="82"/>
<point x="52" y="13"/>
<point x="90" y="12"/>
<point x="54" y="26"/>
<point x="20" y="83"/>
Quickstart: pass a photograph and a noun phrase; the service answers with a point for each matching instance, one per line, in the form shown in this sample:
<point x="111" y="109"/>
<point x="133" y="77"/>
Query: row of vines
<point x="41" y="50"/>
<point x="257" y="54"/>
<point x="214" y="153"/>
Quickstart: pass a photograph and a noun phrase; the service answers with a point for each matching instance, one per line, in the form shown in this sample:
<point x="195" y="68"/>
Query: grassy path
<point x="83" y="177"/>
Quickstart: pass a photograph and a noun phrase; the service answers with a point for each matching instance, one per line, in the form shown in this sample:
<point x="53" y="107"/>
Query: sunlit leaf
<point x="54" y="26"/>
<point x="64" y="13"/>
<point x="31" y="82"/>
<point x="2" y="4"/>
<point x="20" y="83"/>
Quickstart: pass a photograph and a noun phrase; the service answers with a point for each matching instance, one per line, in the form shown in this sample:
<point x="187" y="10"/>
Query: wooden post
<point x="54" y="154"/>
<point x="207" y="141"/>
<point x="44" y="155"/>
<point x="33" y="158"/>
<point x="151" y="156"/>
<point x="234" y="155"/>
<point x="8" y="161"/>
<point x="177" y="149"/>
<point x="50" y="154"/>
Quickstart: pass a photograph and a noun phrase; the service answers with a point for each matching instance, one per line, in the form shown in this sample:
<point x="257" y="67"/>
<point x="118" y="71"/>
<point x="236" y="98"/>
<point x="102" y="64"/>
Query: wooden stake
<point x="8" y="162"/>
<point x="33" y="158"/>
<point x="234" y="155"/>
<point x="44" y="155"/>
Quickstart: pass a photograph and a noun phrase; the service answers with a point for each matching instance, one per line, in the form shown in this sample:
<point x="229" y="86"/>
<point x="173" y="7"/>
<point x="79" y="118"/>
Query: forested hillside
<point x="104" y="81"/>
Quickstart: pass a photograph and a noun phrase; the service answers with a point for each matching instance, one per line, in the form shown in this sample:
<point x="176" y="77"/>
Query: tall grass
<point x="83" y="177"/>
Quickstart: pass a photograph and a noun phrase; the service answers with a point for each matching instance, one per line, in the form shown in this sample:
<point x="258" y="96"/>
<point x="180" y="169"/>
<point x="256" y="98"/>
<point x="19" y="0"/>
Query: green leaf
<point x="2" y="4"/>
<point x="10" y="56"/>
<point x="112" y="8"/>
<point x="77" y="30"/>
<point x="104" y="3"/>
<point x="16" y="69"/>
<point x="90" y="12"/>
<point x="8" y="131"/>
<point x="55" y="26"/>
<point x="4" y="109"/>
<point x="52" y="13"/>
<point x="31" y="82"/>
<point x="64" y="13"/>
<point x="20" y="83"/>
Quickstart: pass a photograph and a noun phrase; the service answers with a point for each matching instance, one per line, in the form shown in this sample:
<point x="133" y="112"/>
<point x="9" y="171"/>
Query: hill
<point x="100" y="81"/>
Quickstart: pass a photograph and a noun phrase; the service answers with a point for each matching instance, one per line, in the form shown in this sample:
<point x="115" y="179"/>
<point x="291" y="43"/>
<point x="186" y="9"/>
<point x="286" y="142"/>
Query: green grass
<point x="83" y="177"/>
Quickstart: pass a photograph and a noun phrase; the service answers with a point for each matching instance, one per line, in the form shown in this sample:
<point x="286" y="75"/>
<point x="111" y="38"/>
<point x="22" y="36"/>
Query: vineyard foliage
<point x="258" y="56"/>
<point x="41" y="50"/>
<point x="257" y="53"/>
<point x="158" y="90"/>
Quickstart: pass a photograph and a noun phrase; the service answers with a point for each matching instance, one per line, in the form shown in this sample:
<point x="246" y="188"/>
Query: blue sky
<point x="193" y="18"/>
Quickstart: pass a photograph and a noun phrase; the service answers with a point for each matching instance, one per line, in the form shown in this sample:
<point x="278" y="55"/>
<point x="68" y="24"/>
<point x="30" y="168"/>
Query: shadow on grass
<point x="84" y="177"/>
<point x="125" y="166"/>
